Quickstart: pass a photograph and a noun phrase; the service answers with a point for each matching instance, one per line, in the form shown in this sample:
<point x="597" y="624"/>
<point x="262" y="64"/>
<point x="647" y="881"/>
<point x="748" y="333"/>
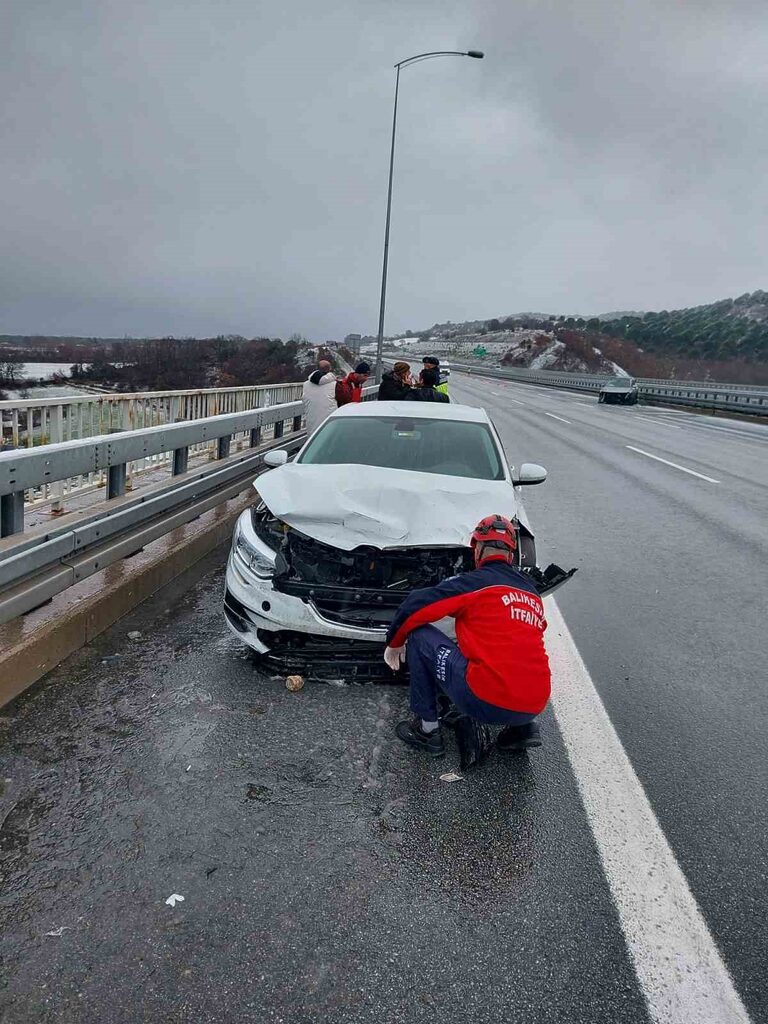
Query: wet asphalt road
<point x="668" y="612"/>
<point x="328" y="874"/>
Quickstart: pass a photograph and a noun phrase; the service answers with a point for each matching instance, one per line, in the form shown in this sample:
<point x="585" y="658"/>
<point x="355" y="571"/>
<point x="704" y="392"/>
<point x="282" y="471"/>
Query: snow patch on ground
<point x="547" y="357"/>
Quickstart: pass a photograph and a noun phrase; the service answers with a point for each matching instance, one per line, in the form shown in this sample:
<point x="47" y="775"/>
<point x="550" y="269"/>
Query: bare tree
<point x="9" y="374"/>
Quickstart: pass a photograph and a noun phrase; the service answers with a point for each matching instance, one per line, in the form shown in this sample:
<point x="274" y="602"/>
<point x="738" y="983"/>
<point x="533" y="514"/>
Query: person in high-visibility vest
<point x="433" y="363"/>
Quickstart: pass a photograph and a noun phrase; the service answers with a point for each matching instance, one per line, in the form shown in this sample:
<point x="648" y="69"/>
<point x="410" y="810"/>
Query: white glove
<point x="394" y="657"/>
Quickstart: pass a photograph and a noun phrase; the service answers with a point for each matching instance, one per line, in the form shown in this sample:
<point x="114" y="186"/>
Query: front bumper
<point x="619" y="397"/>
<point x="291" y="635"/>
<point x="326" y="629"/>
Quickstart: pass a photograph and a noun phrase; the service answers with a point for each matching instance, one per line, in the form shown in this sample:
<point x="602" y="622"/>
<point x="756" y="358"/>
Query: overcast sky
<point x="220" y="166"/>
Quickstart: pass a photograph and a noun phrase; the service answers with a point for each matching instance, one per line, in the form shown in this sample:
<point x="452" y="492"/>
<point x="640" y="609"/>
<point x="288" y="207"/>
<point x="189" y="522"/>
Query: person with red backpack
<point x="498" y="671"/>
<point x="350" y="388"/>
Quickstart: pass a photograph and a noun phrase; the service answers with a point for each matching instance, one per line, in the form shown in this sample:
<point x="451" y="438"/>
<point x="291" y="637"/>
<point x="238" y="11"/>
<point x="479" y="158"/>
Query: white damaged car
<point x="381" y="499"/>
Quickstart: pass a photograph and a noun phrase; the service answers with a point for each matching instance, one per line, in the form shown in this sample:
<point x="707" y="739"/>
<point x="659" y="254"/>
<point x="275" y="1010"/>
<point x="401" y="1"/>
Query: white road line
<point x="516" y="401"/>
<point x="650" y="419"/>
<point x="668" y="463"/>
<point x="677" y="963"/>
<point x="557" y="418"/>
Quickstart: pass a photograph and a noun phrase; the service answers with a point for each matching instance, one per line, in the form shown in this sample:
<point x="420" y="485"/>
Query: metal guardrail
<point x="745" y="398"/>
<point x="39" y="564"/>
<point x="110" y="454"/>
<point x="42" y="421"/>
<point x="36" y="566"/>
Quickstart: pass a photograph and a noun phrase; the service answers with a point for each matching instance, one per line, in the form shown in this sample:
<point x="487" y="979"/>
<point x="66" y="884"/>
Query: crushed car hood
<point x="347" y="506"/>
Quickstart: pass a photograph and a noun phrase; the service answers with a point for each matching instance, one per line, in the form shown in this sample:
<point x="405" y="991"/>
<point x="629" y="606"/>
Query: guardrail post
<point x="127" y="414"/>
<point x="116" y="481"/>
<point x="180" y="460"/>
<point x="11" y="513"/>
<point x="222" y="447"/>
<point x="255" y="437"/>
<point x="279" y="428"/>
<point x="297" y="423"/>
<point x="57" y="435"/>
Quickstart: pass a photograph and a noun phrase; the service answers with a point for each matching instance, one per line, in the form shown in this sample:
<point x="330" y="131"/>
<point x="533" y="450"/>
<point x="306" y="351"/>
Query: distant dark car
<point x="621" y="390"/>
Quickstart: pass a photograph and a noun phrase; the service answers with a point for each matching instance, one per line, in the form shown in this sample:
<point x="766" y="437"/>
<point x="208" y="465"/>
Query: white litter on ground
<point x="452" y="777"/>
<point x="174" y="898"/>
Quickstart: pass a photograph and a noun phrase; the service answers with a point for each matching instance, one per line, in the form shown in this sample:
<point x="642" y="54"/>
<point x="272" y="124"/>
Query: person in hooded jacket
<point x="427" y="389"/>
<point x="395" y="384"/>
<point x="319" y="396"/>
<point x="350" y="389"/>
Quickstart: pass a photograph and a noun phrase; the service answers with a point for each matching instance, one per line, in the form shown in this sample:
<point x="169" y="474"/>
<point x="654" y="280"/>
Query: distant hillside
<point x="726" y="340"/>
<point x="725" y="330"/>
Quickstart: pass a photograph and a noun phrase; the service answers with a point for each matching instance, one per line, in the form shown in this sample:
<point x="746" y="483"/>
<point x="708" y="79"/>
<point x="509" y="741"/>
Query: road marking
<point x="516" y="401"/>
<point x="676" y="960"/>
<point x="677" y="963"/>
<point x="668" y="463"/>
<point x="650" y="419"/>
<point x="557" y="418"/>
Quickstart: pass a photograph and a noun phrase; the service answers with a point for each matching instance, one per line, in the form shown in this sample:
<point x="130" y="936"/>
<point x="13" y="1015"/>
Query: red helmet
<point x="494" y="528"/>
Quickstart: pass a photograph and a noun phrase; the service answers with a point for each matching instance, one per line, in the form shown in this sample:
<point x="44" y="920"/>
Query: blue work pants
<point x="437" y="665"/>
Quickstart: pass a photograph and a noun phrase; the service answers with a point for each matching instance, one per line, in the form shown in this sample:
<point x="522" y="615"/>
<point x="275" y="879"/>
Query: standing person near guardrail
<point x="350" y="389"/>
<point x="395" y="383"/>
<point x="433" y="363"/>
<point x="498" y="672"/>
<point x="319" y="396"/>
<point x="427" y="390"/>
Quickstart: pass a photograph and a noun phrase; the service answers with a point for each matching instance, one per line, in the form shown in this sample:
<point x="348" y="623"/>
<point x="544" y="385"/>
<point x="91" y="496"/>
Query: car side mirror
<point x="530" y="473"/>
<point x="276" y="457"/>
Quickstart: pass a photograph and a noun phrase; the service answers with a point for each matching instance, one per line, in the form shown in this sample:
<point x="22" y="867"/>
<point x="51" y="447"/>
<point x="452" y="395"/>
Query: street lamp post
<point x="401" y="64"/>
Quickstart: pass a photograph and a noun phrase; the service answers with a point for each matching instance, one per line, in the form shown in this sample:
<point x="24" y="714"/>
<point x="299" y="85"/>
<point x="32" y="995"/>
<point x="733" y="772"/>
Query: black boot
<point x="474" y="740"/>
<point x="519" y="737"/>
<point x="413" y="734"/>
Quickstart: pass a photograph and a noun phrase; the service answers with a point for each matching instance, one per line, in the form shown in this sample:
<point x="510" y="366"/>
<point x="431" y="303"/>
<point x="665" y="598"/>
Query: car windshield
<point x="621" y="381"/>
<point x="450" y="447"/>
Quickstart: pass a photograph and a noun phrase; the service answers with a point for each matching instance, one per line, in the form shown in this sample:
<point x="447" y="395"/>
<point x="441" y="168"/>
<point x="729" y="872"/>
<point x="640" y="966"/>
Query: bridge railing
<point x="39" y="563"/>
<point x="42" y="421"/>
<point x="36" y="565"/>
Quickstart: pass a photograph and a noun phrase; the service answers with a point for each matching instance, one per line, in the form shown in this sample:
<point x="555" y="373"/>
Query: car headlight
<point x="260" y="560"/>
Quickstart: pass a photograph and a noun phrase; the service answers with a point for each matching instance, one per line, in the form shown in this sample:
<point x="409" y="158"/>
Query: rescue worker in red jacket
<point x="350" y="389"/>
<point x="498" y="673"/>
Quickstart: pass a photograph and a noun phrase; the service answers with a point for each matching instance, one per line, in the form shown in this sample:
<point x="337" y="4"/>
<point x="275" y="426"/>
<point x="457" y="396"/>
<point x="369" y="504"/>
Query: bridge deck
<point x="327" y="872"/>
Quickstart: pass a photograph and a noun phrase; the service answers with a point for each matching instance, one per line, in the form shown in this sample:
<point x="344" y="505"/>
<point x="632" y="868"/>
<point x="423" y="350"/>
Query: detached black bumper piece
<point x="550" y="579"/>
<point x="322" y="657"/>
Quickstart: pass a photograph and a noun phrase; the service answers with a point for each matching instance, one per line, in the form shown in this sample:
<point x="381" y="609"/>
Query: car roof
<point x="416" y="411"/>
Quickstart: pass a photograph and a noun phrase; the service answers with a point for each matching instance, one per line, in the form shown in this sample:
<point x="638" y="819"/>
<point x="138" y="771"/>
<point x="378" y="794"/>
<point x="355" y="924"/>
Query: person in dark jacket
<point x="395" y="384"/>
<point x="433" y="363"/>
<point x="350" y="389"/>
<point x="427" y="389"/>
<point x="498" y="672"/>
